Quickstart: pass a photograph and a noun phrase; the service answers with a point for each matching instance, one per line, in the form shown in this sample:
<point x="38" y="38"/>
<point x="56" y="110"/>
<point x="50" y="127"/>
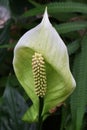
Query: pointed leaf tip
<point x="45" y="19"/>
<point x="45" y="10"/>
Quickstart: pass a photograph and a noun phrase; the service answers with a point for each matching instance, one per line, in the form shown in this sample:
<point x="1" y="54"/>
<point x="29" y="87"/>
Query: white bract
<point x="44" y="40"/>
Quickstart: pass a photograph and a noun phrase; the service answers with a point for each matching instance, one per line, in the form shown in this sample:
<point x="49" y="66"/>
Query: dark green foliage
<point x="61" y="7"/>
<point x="71" y="26"/>
<point x="69" y="17"/>
<point x="12" y="109"/>
<point x="73" y="47"/>
<point x="78" y="99"/>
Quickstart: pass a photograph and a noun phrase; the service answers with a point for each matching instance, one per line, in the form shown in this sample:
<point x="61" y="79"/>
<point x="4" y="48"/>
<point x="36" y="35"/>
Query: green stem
<point x="40" y="111"/>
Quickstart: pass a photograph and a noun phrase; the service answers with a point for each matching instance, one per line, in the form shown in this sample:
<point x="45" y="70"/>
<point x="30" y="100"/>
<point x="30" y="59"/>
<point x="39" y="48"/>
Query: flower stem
<point x="40" y="111"/>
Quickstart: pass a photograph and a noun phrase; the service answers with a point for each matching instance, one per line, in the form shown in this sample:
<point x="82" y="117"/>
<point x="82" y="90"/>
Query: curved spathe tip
<point x="45" y="19"/>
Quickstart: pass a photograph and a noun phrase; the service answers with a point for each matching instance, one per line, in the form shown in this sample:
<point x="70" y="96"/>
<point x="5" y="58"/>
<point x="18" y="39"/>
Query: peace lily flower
<point x="41" y="65"/>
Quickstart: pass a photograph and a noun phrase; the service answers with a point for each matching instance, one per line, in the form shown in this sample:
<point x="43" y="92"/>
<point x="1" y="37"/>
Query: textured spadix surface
<point x="43" y="39"/>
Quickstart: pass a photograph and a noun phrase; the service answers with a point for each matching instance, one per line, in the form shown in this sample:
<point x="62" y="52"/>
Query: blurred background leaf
<point x="12" y="108"/>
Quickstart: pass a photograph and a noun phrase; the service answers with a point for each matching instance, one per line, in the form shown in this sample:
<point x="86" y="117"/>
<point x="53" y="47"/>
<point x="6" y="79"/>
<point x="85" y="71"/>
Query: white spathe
<point x="45" y="39"/>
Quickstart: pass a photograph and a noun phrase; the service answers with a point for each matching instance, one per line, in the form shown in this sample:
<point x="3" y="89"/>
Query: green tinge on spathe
<point x="45" y="40"/>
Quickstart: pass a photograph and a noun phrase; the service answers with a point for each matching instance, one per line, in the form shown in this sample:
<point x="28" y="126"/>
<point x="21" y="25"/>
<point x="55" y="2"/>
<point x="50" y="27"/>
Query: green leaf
<point x="12" y="109"/>
<point x="7" y="46"/>
<point x="60" y="7"/>
<point x="71" y="26"/>
<point x="13" y="81"/>
<point x="34" y="3"/>
<point x="4" y="39"/>
<point x="79" y="97"/>
<point x="73" y="47"/>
